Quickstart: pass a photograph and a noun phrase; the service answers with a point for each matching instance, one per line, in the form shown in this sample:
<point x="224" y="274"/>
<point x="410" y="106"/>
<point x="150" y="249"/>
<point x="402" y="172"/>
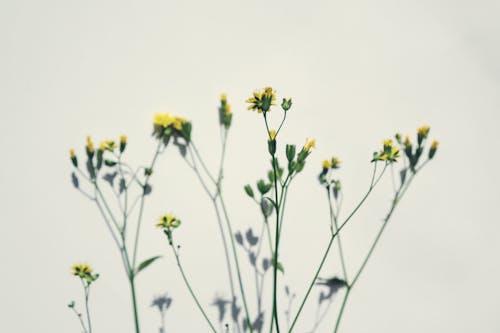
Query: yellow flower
<point x="223" y="98"/>
<point x="434" y="144"/>
<point x="310" y="144"/>
<point x="422" y="133"/>
<point x="227" y="109"/>
<point x="272" y="134"/>
<point x="81" y="270"/>
<point x="107" y="145"/>
<point x="407" y="141"/>
<point x="90" y="145"/>
<point x="123" y="139"/>
<point x="434" y="147"/>
<point x="335" y="162"/>
<point x="327" y="164"/>
<point x="262" y="100"/>
<point x="166" y="119"/>
<point x="387" y="143"/>
<point x="72" y="153"/>
<point x="168" y="221"/>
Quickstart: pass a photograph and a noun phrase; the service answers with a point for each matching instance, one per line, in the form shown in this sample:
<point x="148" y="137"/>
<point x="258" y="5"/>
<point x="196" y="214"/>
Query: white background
<point x="358" y="71"/>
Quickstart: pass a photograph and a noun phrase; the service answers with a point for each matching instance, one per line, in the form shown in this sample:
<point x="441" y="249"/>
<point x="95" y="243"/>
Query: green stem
<point x="373" y="183"/>
<point x="134" y="303"/>
<point x="235" y="255"/>
<point x="141" y="207"/>
<point x="79" y="316"/>
<point x="342" y="308"/>
<point x="276" y="247"/>
<point x="87" y="291"/>
<point x="188" y="285"/>
<point x="334" y="220"/>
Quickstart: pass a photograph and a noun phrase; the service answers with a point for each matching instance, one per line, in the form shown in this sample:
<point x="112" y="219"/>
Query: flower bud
<point x="73" y="158"/>
<point x="433" y="149"/>
<point x="290" y="152"/>
<point x="249" y="191"/>
<point x="123" y="143"/>
<point x="286" y="104"/>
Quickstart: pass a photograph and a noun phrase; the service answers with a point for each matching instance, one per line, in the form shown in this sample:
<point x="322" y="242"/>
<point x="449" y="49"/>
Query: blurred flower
<point x="90" y="147"/>
<point x="107" y="145"/>
<point x="327" y="164"/>
<point x="84" y="271"/>
<point x="422" y="133"/>
<point x="123" y="143"/>
<point x="389" y="153"/>
<point x="434" y="147"/>
<point x="73" y="158"/>
<point x="335" y="163"/>
<point x="225" y="115"/>
<point x="165" y="124"/>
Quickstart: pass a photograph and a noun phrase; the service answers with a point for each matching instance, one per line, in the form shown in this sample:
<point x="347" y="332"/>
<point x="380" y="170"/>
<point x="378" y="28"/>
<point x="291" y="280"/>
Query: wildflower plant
<point x="269" y="193"/>
<point x="84" y="272"/>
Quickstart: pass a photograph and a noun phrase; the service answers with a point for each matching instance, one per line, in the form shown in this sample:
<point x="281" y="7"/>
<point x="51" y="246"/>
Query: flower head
<point x="123" y="143"/>
<point x="389" y="153"/>
<point x="168" y="221"/>
<point x="433" y="149"/>
<point x="310" y="143"/>
<point x="165" y="124"/>
<point x="90" y="147"/>
<point x="225" y="115"/>
<point x="335" y="163"/>
<point x="272" y="134"/>
<point x="107" y="145"/>
<point x="73" y="158"/>
<point x="326" y="164"/>
<point x="262" y="100"/>
<point x="422" y="133"/>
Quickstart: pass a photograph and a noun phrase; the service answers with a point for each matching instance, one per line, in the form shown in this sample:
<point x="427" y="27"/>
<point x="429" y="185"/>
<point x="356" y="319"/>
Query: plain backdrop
<point x="358" y="71"/>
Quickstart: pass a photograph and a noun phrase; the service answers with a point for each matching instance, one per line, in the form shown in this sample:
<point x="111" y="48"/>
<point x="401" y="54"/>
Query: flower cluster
<point x="325" y="175"/>
<point x="166" y="125"/>
<point x="414" y="152"/>
<point x="84" y="272"/>
<point x="95" y="159"/>
<point x="225" y="114"/>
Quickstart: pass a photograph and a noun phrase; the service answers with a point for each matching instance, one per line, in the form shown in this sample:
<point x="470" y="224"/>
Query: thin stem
<point x="397" y="198"/>
<point x="334" y="218"/>
<point x="188" y="285"/>
<point x="238" y="271"/>
<point x="141" y="207"/>
<point x="134" y="302"/>
<point x="373" y="183"/>
<point x="87" y="291"/>
<point x="79" y="316"/>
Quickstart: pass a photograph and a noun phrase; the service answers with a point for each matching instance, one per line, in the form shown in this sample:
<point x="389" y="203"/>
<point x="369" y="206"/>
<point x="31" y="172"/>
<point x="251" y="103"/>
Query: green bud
<point x="99" y="159"/>
<point x="286" y="104"/>
<point x="148" y="171"/>
<point x="290" y="152"/>
<point x="263" y="187"/>
<point x="271" y="146"/>
<point x="249" y="191"/>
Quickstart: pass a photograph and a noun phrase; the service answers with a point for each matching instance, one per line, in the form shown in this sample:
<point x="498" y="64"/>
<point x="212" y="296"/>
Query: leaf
<point x="280" y="267"/>
<point x="146" y="263"/>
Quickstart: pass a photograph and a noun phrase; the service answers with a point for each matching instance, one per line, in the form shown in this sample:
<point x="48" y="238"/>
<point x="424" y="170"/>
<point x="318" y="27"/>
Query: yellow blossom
<point x="434" y="144"/>
<point x="262" y="100"/>
<point x="72" y="153"/>
<point x="168" y="221"/>
<point x="90" y="145"/>
<point x="81" y="270"/>
<point x="272" y="134"/>
<point x="327" y="164"/>
<point x="223" y="98"/>
<point x="107" y="145"/>
<point x="335" y="162"/>
<point x="407" y="141"/>
<point x="123" y="139"/>
<point x="310" y="144"/>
